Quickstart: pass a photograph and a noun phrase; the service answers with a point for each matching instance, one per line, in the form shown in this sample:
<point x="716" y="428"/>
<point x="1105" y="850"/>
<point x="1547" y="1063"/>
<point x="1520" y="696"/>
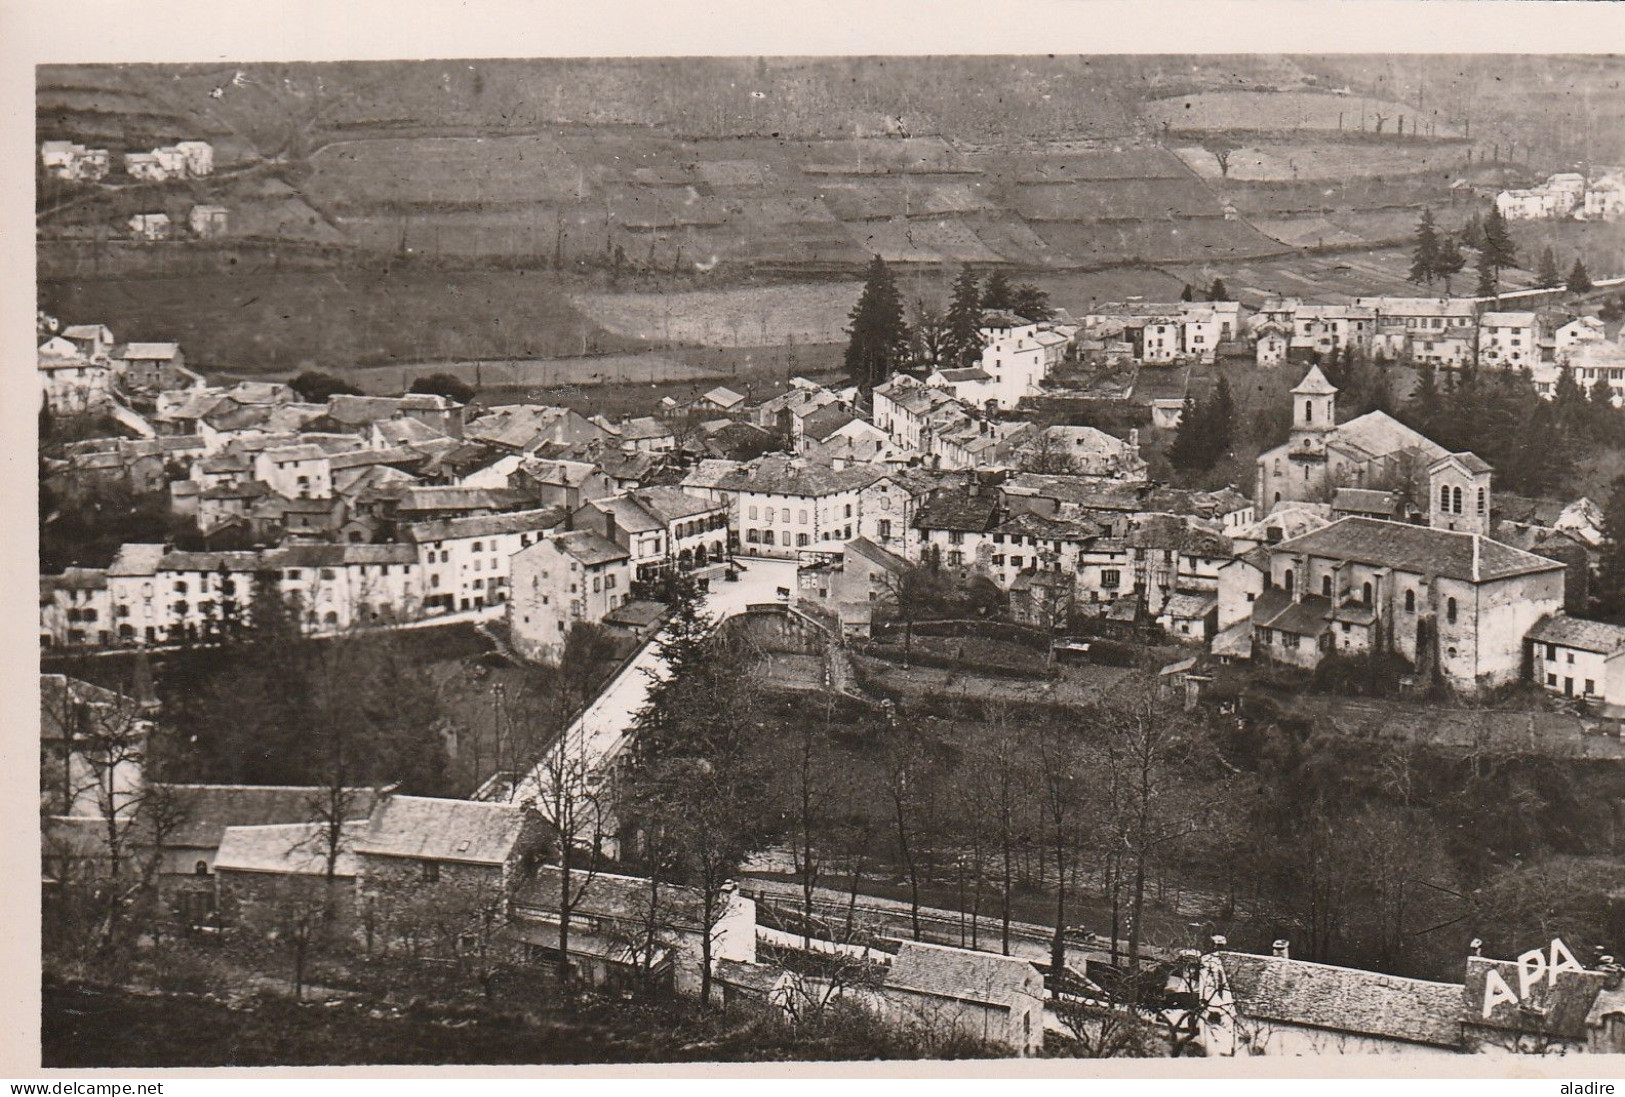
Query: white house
<point x="465" y="561"/>
<point x="562" y="579"/>
<point x="784" y="504"/>
<point x="1580" y="658"/>
<point x="1509" y="340"/>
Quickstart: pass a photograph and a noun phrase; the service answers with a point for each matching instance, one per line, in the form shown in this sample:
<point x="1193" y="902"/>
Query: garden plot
<point x="1117" y="200"/>
<point x="1334" y="161"/>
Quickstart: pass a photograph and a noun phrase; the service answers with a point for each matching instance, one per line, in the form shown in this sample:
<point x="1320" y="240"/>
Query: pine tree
<point x="1611" y="581"/>
<point x="962" y="346"/>
<point x="1423" y="410"/>
<point x="1222" y="416"/>
<point x="1032" y="303"/>
<point x="1579" y="278"/>
<point x="1472" y="233"/>
<point x="1425" y="252"/>
<point x="1217" y="291"/>
<point x="1498" y="244"/>
<point x="1187" y="294"/>
<point x="1488" y="284"/>
<point x="1192" y="445"/>
<point x="997" y="293"/>
<point x="1548" y="276"/>
<point x="879" y="334"/>
<point x="1450" y="260"/>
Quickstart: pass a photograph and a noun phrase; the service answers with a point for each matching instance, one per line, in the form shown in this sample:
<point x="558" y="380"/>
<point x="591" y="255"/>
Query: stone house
<point x="1579" y="658"/>
<point x="562" y="579"/>
<point x="1509" y="340"/>
<point x="465" y="563"/>
<point x="414" y="850"/>
<point x="625" y="929"/>
<point x="786" y="504"/>
<point x="851" y="583"/>
<point x="955" y="992"/>
<point x="1562" y="1009"/>
<point x="264" y="874"/>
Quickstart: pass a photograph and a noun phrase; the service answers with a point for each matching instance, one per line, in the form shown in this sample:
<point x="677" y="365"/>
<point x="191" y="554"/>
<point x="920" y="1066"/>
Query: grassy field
<point x="746" y="316"/>
<point x="1326" y="162"/>
<point x="337" y="320"/>
<point x="1283" y="112"/>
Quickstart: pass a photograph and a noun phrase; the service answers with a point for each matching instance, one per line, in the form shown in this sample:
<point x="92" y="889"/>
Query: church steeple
<point x="1314" y="410"/>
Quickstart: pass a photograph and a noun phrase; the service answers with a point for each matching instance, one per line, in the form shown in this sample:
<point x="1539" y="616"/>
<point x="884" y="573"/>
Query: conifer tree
<point x="1450" y="260"/>
<point x="1187" y="294"/>
<point x="1217" y="291"/>
<point x="1611" y="581"/>
<point x="962" y="345"/>
<point x="1189" y="449"/>
<point x="998" y="293"/>
<point x="1498" y="245"/>
<point x="1579" y="278"/>
<point x="1223" y="419"/>
<point x="1425" y="252"/>
<point x="1032" y="303"/>
<point x="1487" y="281"/>
<point x="879" y="335"/>
<point x="1548" y="276"/>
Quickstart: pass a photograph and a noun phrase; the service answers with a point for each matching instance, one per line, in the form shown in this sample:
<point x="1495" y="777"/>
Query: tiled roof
<point x="723" y="397"/>
<point x="1565" y="1010"/>
<point x="959" y="511"/>
<point x="442" y="830"/>
<point x="205" y="811"/>
<point x="1364" y="501"/>
<point x="538" y="520"/>
<point x="1420" y="549"/>
<point x="152" y="351"/>
<point x="1579" y="633"/>
<point x="1191" y="605"/>
<point x="1364" y="1003"/>
<point x="788" y="476"/>
<point x="610" y="896"/>
<point x="640" y="614"/>
<point x="287" y="849"/>
<point x="862" y="546"/>
<point x="133" y="559"/>
<point x="966" y="974"/>
<point x="629" y="515"/>
<point x="588" y="547"/>
<point x="1314" y="383"/>
<point x="826" y="421"/>
<point x="671" y="504"/>
<point x="1472" y="462"/>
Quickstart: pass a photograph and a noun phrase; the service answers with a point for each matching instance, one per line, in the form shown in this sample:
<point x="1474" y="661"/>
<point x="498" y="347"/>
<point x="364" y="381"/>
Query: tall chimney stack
<point x="1282" y="948"/>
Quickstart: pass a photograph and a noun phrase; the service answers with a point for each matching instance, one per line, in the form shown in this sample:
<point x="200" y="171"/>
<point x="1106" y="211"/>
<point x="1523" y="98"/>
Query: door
<point x="1568" y="687"/>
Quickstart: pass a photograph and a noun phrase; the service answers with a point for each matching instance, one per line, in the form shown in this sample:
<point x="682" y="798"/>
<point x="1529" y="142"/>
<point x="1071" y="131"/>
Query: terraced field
<point x="1284" y="112"/>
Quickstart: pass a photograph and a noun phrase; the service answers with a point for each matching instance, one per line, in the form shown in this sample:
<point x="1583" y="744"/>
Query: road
<point x="599" y="734"/>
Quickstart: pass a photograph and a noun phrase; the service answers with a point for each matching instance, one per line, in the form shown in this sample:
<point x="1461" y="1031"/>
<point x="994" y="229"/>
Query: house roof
<point x="611" y="896"/>
<point x="723" y="397"/>
<point x="135" y="559"/>
<point x="1364" y="501"/>
<point x="1191" y="605"/>
<point x="152" y="351"/>
<point x="589" y="548"/>
<point x="1579" y="633"/>
<point x="1506" y="319"/>
<point x="1576" y="1002"/>
<point x="1420" y="549"/>
<point x="790" y="476"/>
<point x="672" y="504"/>
<point x="966" y="974"/>
<point x="710" y="472"/>
<point x="1276" y="609"/>
<point x="1364" y="1003"/>
<point x="957" y="510"/>
<point x="538" y="520"/>
<point x="287" y="849"/>
<point x="643" y="428"/>
<point x="1472" y="462"/>
<point x="968" y="374"/>
<point x="205" y="811"/>
<point x="640" y="614"/>
<point x="468" y="831"/>
<point x="629" y="515"/>
<point x="826" y="421"/>
<point x="885" y="558"/>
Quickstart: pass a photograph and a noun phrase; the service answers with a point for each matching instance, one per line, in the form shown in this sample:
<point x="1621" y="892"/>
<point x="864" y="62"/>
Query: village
<point x="1224" y="671"/>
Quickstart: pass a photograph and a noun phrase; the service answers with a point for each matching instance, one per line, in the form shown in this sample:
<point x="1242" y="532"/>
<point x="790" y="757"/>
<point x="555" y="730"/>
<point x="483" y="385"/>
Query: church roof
<point x="1314" y="383"/>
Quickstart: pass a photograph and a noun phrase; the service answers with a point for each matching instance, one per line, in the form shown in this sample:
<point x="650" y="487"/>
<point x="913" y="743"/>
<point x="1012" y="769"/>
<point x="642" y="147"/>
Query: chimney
<point x="1476" y="946"/>
<point x="1134" y="438"/>
<point x="610" y="526"/>
<point x="1282" y="948"/>
<point x="1612" y="974"/>
<point x="1220" y="942"/>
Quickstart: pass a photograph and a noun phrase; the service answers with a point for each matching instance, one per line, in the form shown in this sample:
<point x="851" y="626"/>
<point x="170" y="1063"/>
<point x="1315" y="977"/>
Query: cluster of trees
<point x="1436" y="256"/>
<point x="883" y="340"/>
<point x="1216" y="291"/>
<point x="1548" y="276"/>
<point x="1534" y="444"/>
<point x="315" y="387"/>
<point x="1611" y="582"/>
<point x="1206" y="429"/>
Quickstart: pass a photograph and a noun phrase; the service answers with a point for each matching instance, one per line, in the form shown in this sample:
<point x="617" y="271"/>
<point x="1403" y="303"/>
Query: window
<point x="752" y="537"/>
<point x="1111" y="577"/>
<point x="955" y="537"/>
<point x="802" y="540"/>
<point x="1551" y="653"/>
<point x="786" y="515"/>
<point x="753" y="513"/>
<point x="431" y="872"/>
<point x="180" y="586"/>
<point x="1455" y="500"/>
<point x="200" y="869"/>
<point x="1481" y="501"/>
<point x="1015" y="561"/>
<point x="1444" y="497"/>
<point x="294" y="573"/>
<point x="955" y="559"/>
<point x="1410" y="601"/>
<point x="883" y="528"/>
<point x="849" y="510"/>
<point x="998" y="561"/>
<point x="1365" y="594"/>
<point x="1591" y="685"/>
<point x="327" y="573"/>
<point x="609" y="582"/>
<point x="1570" y="659"/>
<point x="1287" y="580"/>
<point x="1308" y="412"/>
<point x="1450" y="611"/>
<point x="1551" y="680"/>
<point x="801" y="517"/>
<point x="1326" y="586"/>
<point x="597" y="584"/>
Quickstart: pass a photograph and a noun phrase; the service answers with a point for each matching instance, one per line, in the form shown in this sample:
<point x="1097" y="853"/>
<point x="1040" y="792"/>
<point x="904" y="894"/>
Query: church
<point x="1371" y="451"/>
